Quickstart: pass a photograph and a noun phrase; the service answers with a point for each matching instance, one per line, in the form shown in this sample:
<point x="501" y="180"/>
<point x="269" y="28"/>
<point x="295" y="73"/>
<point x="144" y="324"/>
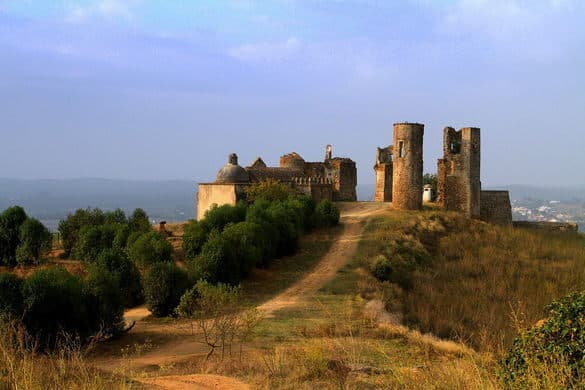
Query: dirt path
<point x="195" y="382"/>
<point x="175" y="344"/>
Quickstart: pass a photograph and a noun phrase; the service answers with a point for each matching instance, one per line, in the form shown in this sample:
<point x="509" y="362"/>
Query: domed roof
<point x="232" y="172"/>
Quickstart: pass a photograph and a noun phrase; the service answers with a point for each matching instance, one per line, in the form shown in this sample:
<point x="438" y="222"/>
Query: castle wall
<point x="209" y="194"/>
<point x="548" y="226"/>
<point x="383" y="191"/>
<point x="496" y="207"/>
<point x="344" y="180"/>
<point x="459" y="185"/>
<point x="407" y="183"/>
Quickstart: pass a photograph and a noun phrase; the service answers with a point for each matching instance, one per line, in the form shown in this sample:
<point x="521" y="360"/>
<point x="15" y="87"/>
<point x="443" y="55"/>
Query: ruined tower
<point x="459" y="185"/>
<point x="383" y="169"/>
<point x="407" y="183"/>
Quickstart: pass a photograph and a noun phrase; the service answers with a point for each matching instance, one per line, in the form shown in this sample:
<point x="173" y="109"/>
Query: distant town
<point x="552" y="210"/>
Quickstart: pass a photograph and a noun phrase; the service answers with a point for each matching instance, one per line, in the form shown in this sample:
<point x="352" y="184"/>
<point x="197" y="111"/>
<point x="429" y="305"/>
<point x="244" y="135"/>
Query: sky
<point x="166" y="89"/>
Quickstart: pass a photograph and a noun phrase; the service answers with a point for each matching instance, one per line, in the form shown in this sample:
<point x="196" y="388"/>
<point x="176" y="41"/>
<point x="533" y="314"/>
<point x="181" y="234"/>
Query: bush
<point x="150" y="248"/>
<point x="397" y="269"/>
<point x="326" y="214"/>
<point x="35" y="242"/>
<point x="164" y="284"/>
<point x="10" y="221"/>
<point x="218" y="217"/>
<point x="288" y="224"/>
<point x="559" y="341"/>
<point x="139" y="222"/>
<point x="93" y="240"/>
<point x="70" y="227"/>
<point x="11" y="303"/>
<point x="54" y="302"/>
<point x="105" y="302"/>
<point x="229" y="256"/>
<point x="195" y="235"/>
<point x="270" y="190"/>
<point x="117" y="262"/>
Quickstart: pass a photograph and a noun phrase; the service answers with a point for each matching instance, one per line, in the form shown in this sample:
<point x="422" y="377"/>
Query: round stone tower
<point x="407" y="183"/>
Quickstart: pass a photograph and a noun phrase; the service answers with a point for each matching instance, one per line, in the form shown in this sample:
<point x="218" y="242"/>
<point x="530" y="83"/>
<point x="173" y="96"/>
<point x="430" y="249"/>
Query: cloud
<point x="102" y="9"/>
<point x="266" y="51"/>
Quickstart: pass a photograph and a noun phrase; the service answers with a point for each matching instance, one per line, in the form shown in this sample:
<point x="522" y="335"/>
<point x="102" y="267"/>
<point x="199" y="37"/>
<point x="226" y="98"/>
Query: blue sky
<point x="165" y="89"/>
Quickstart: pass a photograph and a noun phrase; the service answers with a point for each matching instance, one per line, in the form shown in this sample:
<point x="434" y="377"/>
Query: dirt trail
<point x="178" y="346"/>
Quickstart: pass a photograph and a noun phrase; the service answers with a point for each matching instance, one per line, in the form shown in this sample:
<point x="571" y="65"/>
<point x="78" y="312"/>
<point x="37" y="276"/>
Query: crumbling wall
<point x="548" y="226"/>
<point x="344" y="179"/>
<point x="383" y="191"/>
<point x="407" y="182"/>
<point x="496" y="207"/>
<point x="458" y="172"/>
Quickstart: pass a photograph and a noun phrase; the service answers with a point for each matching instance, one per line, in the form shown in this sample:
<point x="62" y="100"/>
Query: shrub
<point x="164" y="284"/>
<point x="219" y="216"/>
<point x="288" y="224"/>
<point x="560" y="340"/>
<point x="397" y="269"/>
<point x="259" y="214"/>
<point x="115" y="217"/>
<point x="150" y="248"/>
<point x="117" y="262"/>
<point x="35" y="242"/>
<point x="270" y="190"/>
<point x="139" y="222"/>
<point x="10" y="221"/>
<point x="229" y="256"/>
<point x="195" y="235"/>
<point x="54" y="302"/>
<point x="105" y="302"/>
<point x="326" y="214"/>
<point x="93" y="240"/>
<point x="70" y="227"/>
<point x="121" y="237"/>
<point x="11" y="303"/>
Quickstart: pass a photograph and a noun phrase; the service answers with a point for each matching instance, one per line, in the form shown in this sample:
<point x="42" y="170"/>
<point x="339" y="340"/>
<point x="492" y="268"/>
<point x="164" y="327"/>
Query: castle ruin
<point x="399" y="175"/>
<point x="333" y="179"/>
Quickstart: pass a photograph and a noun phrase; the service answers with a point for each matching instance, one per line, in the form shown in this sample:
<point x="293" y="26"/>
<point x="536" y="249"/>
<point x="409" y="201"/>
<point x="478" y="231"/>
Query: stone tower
<point x="407" y="182"/>
<point x="459" y="185"/>
<point x="383" y="169"/>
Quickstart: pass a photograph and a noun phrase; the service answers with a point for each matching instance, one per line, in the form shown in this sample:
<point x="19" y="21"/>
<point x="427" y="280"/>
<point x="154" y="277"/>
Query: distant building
<point x="334" y="179"/>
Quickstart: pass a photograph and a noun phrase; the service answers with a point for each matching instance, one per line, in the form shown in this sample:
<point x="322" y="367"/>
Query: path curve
<point x="195" y="382"/>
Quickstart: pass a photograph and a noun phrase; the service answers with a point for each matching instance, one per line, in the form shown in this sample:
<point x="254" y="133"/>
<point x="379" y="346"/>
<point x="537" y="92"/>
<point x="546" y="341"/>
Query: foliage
<point x="117" y="263"/>
<point x="217" y="312"/>
<point x="326" y="214"/>
<point x="105" y="305"/>
<point x="10" y="221"/>
<point x="11" y="302"/>
<point x="93" y="240"/>
<point x="70" y="227"/>
<point x="561" y="338"/>
<point x="194" y="236"/>
<point x="35" y="242"/>
<point x="218" y="217"/>
<point x="138" y="221"/>
<point x="164" y="284"/>
<point x="150" y="248"/>
<point x="270" y="190"/>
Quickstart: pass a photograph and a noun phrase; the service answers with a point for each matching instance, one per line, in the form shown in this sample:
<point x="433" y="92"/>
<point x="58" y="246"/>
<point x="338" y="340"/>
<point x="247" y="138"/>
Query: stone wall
<point x="344" y="180"/>
<point x="383" y="190"/>
<point x="459" y="184"/>
<point x="548" y="226"/>
<point x="220" y="194"/>
<point x="407" y="183"/>
<point x="496" y="207"/>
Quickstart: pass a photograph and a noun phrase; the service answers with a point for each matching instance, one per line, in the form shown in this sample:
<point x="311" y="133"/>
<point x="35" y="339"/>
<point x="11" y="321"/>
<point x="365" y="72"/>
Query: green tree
<point x="11" y="302"/>
<point x="93" y="240"/>
<point x="104" y="301"/>
<point x="139" y="221"/>
<point x="326" y="214"/>
<point x="270" y="190"/>
<point x="195" y="235"/>
<point x="164" y="284"/>
<point x="35" y="242"/>
<point x="118" y="263"/>
<point x="70" y="227"/>
<point x="10" y="221"/>
<point x="150" y="248"/>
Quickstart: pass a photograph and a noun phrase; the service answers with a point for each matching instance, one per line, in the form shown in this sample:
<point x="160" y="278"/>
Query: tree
<point x="326" y="214"/>
<point x="104" y="301"/>
<point x="164" y="284"/>
<point x="10" y="221"/>
<point x="195" y="235"/>
<point x="35" y="242"/>
<point x="11" y="302"/>
<point x="118" y="263"/>
<point x="270" y="190"/>
<point x="70" y="227"/>
<point x="150" y="248"/>
<point x="139" y="221"/>
<point x="93" y="240"/>
<point x="217" y="312"/>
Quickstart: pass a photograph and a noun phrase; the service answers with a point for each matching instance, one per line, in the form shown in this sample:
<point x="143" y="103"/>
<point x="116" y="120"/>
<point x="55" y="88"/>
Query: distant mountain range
<point x="172" y="200"/>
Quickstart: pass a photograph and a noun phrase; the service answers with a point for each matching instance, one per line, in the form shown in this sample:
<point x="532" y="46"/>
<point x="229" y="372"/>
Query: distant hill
<point x="52" y="200"/>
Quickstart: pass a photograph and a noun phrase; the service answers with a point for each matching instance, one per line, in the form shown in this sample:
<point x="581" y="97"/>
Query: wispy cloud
<point x="266" y="51"/>
<point x="102" y="9"/>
